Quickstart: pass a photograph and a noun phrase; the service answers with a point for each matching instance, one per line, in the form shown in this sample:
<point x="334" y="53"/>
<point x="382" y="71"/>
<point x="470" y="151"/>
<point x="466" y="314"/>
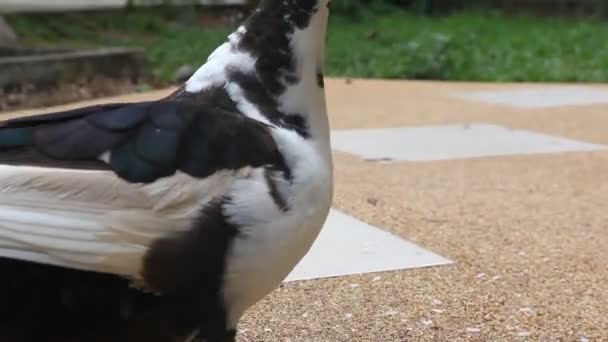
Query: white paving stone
<point x="546" y="97"/>
<point x="447" y="142"/>
<point x="348" y="246"/>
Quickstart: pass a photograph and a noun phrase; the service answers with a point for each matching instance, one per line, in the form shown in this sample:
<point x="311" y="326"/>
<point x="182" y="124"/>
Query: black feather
<point x="157" y="145"/>
<point x="15" y="137"/>
<point x="74" y="140"/>
<point x="146" y="141"/>
<point x="131" y="167"/>
<point x="173" y="115"/>
<point x="120" y="119"/>
<point x="56" y="117"/>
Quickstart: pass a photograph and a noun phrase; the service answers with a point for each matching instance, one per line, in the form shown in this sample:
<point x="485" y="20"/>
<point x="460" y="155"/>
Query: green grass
<point x="389" y="43"/>
<point x="169" y="38"/>
<point x="471" y="46"/>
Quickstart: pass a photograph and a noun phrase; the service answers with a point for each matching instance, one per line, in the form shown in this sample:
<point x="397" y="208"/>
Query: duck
<point x="167" y="220"/>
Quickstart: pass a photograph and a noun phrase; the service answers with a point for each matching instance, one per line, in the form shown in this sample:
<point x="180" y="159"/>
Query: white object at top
<point x="13" y="6"/>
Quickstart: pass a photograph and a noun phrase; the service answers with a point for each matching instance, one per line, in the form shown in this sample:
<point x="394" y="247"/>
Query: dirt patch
<point x="34" y="78"/>
<point x="28" y="97"/>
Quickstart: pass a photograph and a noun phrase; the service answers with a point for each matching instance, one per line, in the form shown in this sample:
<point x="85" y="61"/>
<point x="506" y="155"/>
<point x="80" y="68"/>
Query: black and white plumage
<point x="166" y="220"/>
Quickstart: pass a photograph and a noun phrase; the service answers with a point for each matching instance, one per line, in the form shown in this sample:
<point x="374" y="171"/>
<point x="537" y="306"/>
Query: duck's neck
<point x="272" y="66"/>
<point x="287" y="38"/>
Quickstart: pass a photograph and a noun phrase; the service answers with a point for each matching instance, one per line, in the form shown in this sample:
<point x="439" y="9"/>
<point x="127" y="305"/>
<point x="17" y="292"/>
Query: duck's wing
<point x="94" y="188"/>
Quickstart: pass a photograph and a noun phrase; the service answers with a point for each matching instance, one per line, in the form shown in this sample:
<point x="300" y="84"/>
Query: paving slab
<point x="347" y="246"/>
<point x="445" y="142"/>
<point x="540" y="97"/>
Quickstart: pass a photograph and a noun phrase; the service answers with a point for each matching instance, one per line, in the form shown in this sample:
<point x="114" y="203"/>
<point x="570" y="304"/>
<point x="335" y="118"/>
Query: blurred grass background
<point x="464" y="40"/>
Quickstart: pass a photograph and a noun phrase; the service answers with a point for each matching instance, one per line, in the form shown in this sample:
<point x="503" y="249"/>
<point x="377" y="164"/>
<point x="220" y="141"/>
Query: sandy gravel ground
<point x="528" y="234"/>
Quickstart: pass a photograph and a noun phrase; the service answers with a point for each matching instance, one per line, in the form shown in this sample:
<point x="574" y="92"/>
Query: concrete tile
<point x="533" y="98"/>
<point x="450" y="142"/>
<point x="348" y="246"/>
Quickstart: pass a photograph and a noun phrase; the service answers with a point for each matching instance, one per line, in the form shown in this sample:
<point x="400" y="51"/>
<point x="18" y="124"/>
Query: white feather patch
<point x="213" y="72"/>
<point x="92" y="220"/>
